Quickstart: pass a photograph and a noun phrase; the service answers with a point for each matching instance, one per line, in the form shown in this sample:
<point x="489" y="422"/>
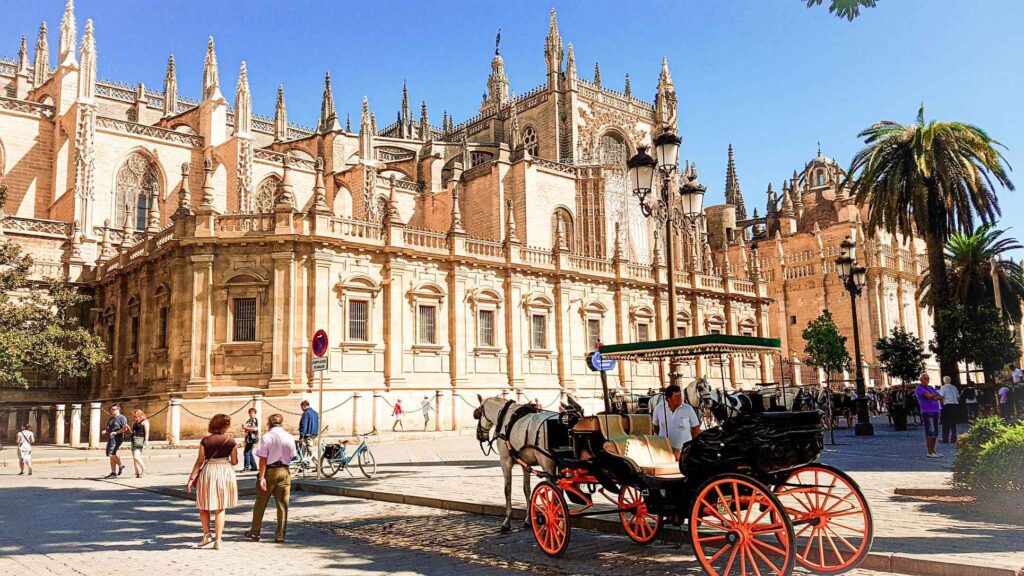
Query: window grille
<point x="428" y="325"/>
<point x="161" y="338"/>
<point x="134" y="347"/>
<point x="643" y="332"/>
<point x="245" y="320"/>
<point x="539" y="331"/>
<point x="486" y="319"/>
<point x="593" y="333"/>
<point x="358" y="320"/>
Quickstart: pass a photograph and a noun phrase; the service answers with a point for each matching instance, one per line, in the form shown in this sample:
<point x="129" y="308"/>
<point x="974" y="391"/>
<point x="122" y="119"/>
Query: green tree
<point x="825" y="347"/>
<point x="848" y="9"/>
<point x="902" y="355"/>
<point x="933" y="179"/>
<point x="969" y="260"/>
<point x="978" y="335"/>
<point x="40" y="331"/>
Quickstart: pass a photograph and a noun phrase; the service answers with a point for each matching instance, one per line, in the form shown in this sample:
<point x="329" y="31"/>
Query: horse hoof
<point x="505" y="529"/>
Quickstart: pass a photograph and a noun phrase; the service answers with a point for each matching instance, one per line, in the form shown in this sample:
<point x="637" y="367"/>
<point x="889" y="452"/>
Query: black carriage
<point x="749" y="493"/>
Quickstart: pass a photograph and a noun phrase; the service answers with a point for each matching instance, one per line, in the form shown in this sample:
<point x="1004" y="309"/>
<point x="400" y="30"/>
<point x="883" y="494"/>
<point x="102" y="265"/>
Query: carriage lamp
<point x="854" y="277"/>
<point x="666" y="148"/>
<point x="692" y="195"/>
<point x="641" y="173"/>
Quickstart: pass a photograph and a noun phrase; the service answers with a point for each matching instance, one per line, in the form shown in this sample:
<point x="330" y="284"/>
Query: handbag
<point x="138" y="442"/>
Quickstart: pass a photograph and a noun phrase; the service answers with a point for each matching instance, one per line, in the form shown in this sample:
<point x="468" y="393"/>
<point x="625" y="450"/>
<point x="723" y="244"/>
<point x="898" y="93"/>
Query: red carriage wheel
<point x="549" y="518"/>
<point x="831" y="519"/>
<point x="640" y="525"/>
<point x="738" y="527"/>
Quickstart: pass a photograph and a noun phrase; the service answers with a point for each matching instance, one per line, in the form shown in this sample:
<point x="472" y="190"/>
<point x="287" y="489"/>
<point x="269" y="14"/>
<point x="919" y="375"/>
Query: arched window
<point x="265" y="194"/>
<point x="530" y="141"/>
<point x="748" y="327"/>
<point x="612" y="149"/>
<point x="136" y="180"/>
<point x="820" y="175"/>
<point x="562" y="220"/>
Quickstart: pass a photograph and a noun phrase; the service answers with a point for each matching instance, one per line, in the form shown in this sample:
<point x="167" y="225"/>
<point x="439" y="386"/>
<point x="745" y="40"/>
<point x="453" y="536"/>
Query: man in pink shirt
<point x="277" y="448"/>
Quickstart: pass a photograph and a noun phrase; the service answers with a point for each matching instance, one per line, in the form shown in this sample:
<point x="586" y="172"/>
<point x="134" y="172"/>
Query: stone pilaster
<point x="283" y="303"/>
<point x="202" y="322"/>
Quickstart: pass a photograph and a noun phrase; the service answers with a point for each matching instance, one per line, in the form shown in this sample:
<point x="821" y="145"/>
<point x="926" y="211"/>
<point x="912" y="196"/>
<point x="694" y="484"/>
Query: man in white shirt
<point x="950" y="410"/>
<point x="675" y="420"/>
<point x="25" y="441"/>
<point x="427" y="408"/>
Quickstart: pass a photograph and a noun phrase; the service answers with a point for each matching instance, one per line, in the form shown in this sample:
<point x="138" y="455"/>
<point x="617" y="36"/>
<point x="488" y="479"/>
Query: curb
<point x="880" y="561"/>
<point x="80" y="459"/>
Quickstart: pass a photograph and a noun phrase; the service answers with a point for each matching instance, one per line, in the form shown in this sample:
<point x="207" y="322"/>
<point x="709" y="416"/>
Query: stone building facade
<point x="796" y="244"/>
<point x="485" y="257"/>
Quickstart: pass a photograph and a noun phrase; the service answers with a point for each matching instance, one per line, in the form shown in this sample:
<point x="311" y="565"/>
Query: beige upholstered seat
<point x="640" y="424"/>
<point x="651" y="454"/>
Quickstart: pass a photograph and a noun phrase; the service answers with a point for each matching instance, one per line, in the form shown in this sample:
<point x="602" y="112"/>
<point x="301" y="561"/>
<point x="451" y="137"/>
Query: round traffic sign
<point x="319" y="343"/>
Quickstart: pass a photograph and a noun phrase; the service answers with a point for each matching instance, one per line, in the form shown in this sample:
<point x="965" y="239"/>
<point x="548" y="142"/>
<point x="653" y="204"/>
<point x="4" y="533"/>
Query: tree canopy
<point x="848" y="9"/>
<point x="978" y="335"/>
<point x="824" y="346"/>
<point x="902" y="355"/>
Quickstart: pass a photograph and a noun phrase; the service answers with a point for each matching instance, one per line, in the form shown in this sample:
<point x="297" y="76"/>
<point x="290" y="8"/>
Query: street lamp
<point x="854" y="277"/>
<point x="641" y="168"/>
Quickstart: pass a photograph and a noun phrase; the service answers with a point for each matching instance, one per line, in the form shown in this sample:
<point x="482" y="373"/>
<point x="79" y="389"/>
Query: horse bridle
<point x="487" y="441"/>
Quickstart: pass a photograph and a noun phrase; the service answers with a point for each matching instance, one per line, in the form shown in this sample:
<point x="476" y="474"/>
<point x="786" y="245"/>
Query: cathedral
<point x="444" y="260"/>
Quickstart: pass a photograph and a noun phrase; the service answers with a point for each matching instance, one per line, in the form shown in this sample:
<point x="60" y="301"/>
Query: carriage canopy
<point x="709" y="344"/>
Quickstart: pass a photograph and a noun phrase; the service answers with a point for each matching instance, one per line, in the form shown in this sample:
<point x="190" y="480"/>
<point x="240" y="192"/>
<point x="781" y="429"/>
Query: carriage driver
<point x="675" y="420"/>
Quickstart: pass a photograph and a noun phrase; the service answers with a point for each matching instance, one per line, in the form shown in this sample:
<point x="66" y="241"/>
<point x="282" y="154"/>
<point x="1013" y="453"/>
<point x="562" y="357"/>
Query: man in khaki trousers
<point x="277" y="448"/>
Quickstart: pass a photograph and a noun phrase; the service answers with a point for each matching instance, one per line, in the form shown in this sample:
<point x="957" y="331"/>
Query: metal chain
<point x="242" y="407"/>
<point x="279" y="409"/>
<point x="339" y="405"/>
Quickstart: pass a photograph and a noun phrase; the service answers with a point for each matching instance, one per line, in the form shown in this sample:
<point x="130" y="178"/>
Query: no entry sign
<point x="319" y="343"/>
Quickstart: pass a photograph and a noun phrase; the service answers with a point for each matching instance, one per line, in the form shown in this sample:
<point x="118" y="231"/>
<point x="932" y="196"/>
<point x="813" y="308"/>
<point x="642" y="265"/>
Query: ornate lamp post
<point x="641" y="168"/>
<point x="853" y="277"/>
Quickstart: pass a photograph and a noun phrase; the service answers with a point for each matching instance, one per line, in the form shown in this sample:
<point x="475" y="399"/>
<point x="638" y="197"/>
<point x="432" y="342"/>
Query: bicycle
<point x="333" y="459"/>
<point x="304" y="459"/>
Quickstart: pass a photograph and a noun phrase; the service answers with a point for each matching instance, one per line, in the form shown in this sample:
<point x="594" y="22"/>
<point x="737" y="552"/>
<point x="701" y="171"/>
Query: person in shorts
<point x="930" y="402"/>
<point x="117" y="427"/>
<point x="25" y="441"/>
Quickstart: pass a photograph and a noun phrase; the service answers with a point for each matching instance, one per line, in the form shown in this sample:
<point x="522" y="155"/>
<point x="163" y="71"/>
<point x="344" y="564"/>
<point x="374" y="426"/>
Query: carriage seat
<point x="653" y="455"/>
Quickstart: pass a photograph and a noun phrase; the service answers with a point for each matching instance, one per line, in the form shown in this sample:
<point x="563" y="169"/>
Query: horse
<point x="521" y="438"/>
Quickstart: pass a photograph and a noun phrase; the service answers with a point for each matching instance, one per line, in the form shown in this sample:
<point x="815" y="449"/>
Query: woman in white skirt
<point x="213" y="477"/>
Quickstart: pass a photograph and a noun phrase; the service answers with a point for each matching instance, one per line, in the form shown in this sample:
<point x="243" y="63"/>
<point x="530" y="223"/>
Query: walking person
<point x="25" y="441"/>
<point x="277" y="448"/>
<point x="213" y="476"/>
<point x="1003" y="398"/>
<point x="929" y="399"/>
<point x="427" y="407"/>
<point x="396" y="413"/>
<point x="140" y="437"/>
<point x="117" y="427"/>
<point x="950" y="410"/>
<point x="309" y="428"/>
<point x="971" y="400"/>
<point x="252" y="436"/>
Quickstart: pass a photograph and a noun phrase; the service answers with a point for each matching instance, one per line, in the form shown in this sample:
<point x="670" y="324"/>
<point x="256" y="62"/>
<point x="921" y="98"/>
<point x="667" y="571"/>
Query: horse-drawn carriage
<point x="749" y="493"/>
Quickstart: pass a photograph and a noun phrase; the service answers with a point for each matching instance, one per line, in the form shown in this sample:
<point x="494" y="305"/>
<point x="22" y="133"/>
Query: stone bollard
<point x="257" y="402"/>
<point x="174" y="421"/>
<point x="375" y="414"/>
<point x="356" y="428"/>
<point x="94" y="424"/>
<point x="76" y="425"/>
<point x="437" y="410"/>
<point x="58" y="424"/>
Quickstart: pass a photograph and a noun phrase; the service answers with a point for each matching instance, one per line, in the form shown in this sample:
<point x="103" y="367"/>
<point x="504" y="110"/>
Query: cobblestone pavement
<point x="58" y="522"/>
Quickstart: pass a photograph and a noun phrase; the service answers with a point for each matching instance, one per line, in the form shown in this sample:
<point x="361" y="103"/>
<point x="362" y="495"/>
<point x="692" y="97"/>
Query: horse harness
<point x="503" y="427"/>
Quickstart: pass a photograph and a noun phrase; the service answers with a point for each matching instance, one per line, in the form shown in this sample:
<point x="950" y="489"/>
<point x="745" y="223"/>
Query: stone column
<point x="437" y="410"/>
<point x="375" y="418"/>
<point x="283" y="306"/>
<point x="76" y="425"/>
<point x="202" y="324"/>
<point x="58" y="424"/>
<point x="33" y="421"/>
<point x="94" y="424"/>
<point x="563" y="333"/>
<point x="257" y="402"/>
<point x="12" y="422"/>
<point x="174" y="421"/>
<point x="399" y="318"/>
<point x="45" y="425"/>
<point x="356" y="428"/>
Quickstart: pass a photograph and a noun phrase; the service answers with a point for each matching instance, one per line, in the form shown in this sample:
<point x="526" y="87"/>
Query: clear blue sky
<point x="770" y="76"/>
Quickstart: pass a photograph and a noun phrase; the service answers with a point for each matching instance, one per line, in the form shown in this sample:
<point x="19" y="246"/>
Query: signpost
<point x="319" y="364"/>
<point x="599" y="364"/>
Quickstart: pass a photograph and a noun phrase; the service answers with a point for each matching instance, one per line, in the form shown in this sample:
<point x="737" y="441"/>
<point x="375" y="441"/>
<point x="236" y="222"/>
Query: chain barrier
<point x="242" y="407"/>
<point x="346" y="401"/>
<point x="279" y="409"/>
<point x="470" y="404"/>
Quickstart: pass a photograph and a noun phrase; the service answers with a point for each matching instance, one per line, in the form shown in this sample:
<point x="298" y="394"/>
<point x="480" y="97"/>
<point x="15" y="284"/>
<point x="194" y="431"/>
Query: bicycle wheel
<point x="367" y="465"/>
<point x="329" y="467"/>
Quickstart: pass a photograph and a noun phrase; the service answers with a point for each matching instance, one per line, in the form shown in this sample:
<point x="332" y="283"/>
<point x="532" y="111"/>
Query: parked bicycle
<point x="305" y="457"/>
<point x="335" y="457"/>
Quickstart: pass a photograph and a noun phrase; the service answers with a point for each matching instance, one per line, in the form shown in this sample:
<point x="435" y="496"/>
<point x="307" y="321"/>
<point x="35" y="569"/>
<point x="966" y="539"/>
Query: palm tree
<point x="934" y="178"/>
<point x="848" y="9"/>
<point x="969" y="262"/>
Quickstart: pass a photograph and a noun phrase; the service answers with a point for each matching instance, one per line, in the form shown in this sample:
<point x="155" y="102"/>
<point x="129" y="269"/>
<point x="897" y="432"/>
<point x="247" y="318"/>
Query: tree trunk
<point x="940" y="297"/>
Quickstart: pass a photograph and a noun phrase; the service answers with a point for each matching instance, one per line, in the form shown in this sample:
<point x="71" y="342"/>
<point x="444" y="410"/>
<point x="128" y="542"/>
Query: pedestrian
<point x="950" y="409"/>
<point x="213" y="477"/>
<point x="929" y="399"/>
<point x="140" y="437"/>
<point x="252" y="436"/>
<point x="675" y="420"/>
<point x="277" y="448"/>
<point x="117" y="427"/>
<point x="971" y="400"/>
<point x="396" y="413"/>
<point x="1018" y="375"/>
<point x="309" y="427"/>
<point x="426" y="407"/>
<point x="1003" y="397"/>
<point x="25" y="441"/>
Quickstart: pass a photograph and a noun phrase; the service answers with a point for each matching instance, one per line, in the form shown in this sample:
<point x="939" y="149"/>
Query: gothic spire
<point x="665" y="78"/>
<point x="207" y="200"/>
<point x="211" y="84"/>
<point x="243" y="104"/>
<point x="41" y="65"/>
<point x="570" y="63"/>
<point x="597" y="74"/>
<point x="23" y="57"/>
<point x="319" y="190"/>
<point x="666" y="104"/>
<point x="629" y="89"/>
<point x="373" y="123"/>
<point x="184" y="196"/>
<point x="497" y="82"/>
<point x="280" y="117"/>
<point x="787" y="201"/>
<point x="405" y="117"/>
<point x="348" y="122"/>
<point x="732" y="188"/>
<point x="365" y="123"/>
<point x="284" y="186"/>
<point x="328" y="116"/>
<point x="553" y="47"/>
<point x="425" y="134"/>
<point x="170" y="89"/>
<point x="515" y="140"/>
<point x="66" y="54"/>
<point x="444" y="122"/>
<point x="87" y="74"/>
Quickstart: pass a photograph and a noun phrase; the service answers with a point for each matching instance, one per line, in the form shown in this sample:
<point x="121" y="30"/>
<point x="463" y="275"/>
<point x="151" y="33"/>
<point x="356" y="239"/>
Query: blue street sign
<point x="598" y="363"/>
<point x="319" y="343"/>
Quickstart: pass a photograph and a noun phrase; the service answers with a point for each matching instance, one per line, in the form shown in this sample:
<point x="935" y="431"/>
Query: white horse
<point x="526" y="433"/>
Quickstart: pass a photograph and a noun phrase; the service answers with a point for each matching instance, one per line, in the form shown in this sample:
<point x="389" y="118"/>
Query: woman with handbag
<point x="213" y="477"/>
<point x="140" y="437"/>
<point x="252" y="437"/>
